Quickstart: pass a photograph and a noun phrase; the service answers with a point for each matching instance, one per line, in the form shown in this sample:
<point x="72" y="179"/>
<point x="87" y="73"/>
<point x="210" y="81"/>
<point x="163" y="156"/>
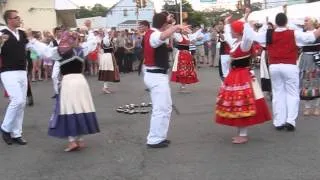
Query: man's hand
<point x="227" y="19"/>
<point x="285" y="8"/>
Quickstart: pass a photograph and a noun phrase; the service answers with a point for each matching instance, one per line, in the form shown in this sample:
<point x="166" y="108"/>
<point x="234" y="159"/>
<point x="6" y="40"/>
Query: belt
<point x="160" y="71"/>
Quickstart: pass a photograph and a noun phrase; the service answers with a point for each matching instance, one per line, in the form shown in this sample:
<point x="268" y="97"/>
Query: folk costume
<point x="264" y="71"/>
<point x="309" y="66"/>
<point x="74" y="112"/>
<point x="183" y="70"/>
<point x="224" y="52"/>
<point x="156" y="79"/>
<point x="284" y="72"/>
<point x="15" y="82"/>
<point x="108" y="68"/>
<point x="240" y="100"/>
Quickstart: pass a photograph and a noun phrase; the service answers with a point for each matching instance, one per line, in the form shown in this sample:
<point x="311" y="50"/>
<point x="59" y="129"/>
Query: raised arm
<point x="157" y="38"/>
<point x="247" y="40"/>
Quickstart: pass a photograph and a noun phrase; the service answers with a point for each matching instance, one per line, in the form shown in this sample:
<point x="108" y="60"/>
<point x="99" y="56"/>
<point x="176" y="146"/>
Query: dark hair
<point x="56" y="29"/>
<point x="270" y="24"/>
<point x="144" y="23"/>
<point x="159" y="20"/>
<point x="281" y="19"/>
<point x="221" y="20"/>
<point x="7" y="14"/>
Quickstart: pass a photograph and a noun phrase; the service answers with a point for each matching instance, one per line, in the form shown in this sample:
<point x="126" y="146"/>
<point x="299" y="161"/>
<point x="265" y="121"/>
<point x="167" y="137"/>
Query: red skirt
<point x="185" y="72"/>
<point x="240" y="102"/>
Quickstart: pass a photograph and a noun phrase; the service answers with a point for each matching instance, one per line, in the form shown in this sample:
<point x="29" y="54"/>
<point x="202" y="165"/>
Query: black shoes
<point x="6" y="137"/>
<point x="54" y="96"/>
<point x="162" y="144"/>
<point x="19" y="141"/>
<point x="280" y="128"/>
<point x="30" y="101"/>
<point x="287" y="126"/>
<point x="9" y="140"/>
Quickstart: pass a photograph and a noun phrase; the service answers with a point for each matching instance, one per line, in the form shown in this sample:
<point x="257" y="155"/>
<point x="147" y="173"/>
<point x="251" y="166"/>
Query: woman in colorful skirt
<point x="240" y="101"/>
<point x="108" y="68"/>
<point x="74" y="113"/>
<point x="183" y="70"/>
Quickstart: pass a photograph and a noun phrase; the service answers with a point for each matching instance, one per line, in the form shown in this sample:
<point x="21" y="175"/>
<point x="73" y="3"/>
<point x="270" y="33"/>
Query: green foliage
<point x="96" y="10"/>
<point x="208" y="17"/>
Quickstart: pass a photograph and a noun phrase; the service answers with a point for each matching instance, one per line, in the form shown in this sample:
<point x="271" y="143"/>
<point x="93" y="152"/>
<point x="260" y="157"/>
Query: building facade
<point x="123" y="15"/>
<point x="42" y="15"/>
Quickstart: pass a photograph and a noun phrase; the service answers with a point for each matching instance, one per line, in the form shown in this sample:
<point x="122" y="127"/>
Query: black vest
<point x="162" y="56"/>
<point x="13" y="52"/>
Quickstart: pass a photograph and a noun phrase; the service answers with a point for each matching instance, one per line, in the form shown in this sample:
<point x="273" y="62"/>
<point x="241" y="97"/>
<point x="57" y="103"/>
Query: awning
<point x="65" y="5"/>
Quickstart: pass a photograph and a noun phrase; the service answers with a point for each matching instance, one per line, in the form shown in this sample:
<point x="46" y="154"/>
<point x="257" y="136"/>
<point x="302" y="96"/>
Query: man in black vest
<point x="14" y="77"/>
<point x="156" y="78"/>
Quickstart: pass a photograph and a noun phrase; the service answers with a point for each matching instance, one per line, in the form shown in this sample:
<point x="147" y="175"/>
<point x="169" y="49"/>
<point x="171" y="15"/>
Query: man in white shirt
<point x="156" y="77"/>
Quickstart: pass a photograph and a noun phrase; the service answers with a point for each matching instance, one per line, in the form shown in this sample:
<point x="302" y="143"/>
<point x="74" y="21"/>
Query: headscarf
<point x="237" y="27"/>
<point x="69" y="40"/>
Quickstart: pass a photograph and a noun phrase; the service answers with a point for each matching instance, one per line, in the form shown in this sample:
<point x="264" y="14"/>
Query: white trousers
<point x="285" y="91"/>
<point x="55" y="76"/>
<point x="160" y="92"/>
<point x="225" y="64"/>
<point x="16" y="84"/>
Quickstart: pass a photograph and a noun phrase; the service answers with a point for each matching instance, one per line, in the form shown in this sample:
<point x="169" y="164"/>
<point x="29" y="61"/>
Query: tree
<point x="96" y="10"/>
<point x="194" y="17"/>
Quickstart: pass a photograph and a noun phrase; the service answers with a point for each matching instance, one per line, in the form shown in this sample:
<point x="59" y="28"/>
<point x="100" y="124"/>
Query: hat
<point x="237" y="27"/>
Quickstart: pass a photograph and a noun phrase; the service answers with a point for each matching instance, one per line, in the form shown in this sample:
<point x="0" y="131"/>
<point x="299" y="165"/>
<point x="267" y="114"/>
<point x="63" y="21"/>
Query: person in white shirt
<point x="156" y="65"/>
<point x="282" y="46"/>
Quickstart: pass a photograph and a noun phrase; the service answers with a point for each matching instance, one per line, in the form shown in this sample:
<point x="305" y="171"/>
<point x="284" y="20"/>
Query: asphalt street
<point x="200" y="149"/>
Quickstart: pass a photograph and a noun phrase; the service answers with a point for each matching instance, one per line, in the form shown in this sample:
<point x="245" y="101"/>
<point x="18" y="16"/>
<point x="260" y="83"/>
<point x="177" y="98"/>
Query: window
<point x="125" y="12"/>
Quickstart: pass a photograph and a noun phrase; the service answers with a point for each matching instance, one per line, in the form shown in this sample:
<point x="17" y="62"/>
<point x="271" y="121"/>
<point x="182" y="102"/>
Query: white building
<point x="42" y="14"/>
<point x="96" y="22"/>
<point x="123" y="14"/>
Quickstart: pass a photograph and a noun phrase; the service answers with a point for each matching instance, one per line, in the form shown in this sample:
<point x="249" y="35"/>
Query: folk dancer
<point x="283" y="55"/>
<point x="224" y="50"/>
<point x="240" y="100"/>
<point x="309" y="66"/>
<point x="156" y="77"/>
<point x="55" y="75"/>
<point x="74" y="113"/>
<point x="108" y="68"/>
<point x="183" y="70"/>
<point x="264" y="68"/>
<point x="14" y="77"/>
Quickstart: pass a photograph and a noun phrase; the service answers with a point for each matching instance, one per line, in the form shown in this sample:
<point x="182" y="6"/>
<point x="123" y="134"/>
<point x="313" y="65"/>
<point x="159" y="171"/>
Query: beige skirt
<point x="75" y="95"/>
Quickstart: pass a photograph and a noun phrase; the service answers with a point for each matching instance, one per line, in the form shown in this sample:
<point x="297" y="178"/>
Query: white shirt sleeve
<point x="247" y="39"/>
<point x="259" y="37"/>
<point x="155" y="40"/>
<point x="43" y="50"/>
<point x="177" y="37"/>
<point x="89" y="46"/>
<point x="304" y="37"/>
<point x="106" y="41"/>
<point x="227" y="35"/>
